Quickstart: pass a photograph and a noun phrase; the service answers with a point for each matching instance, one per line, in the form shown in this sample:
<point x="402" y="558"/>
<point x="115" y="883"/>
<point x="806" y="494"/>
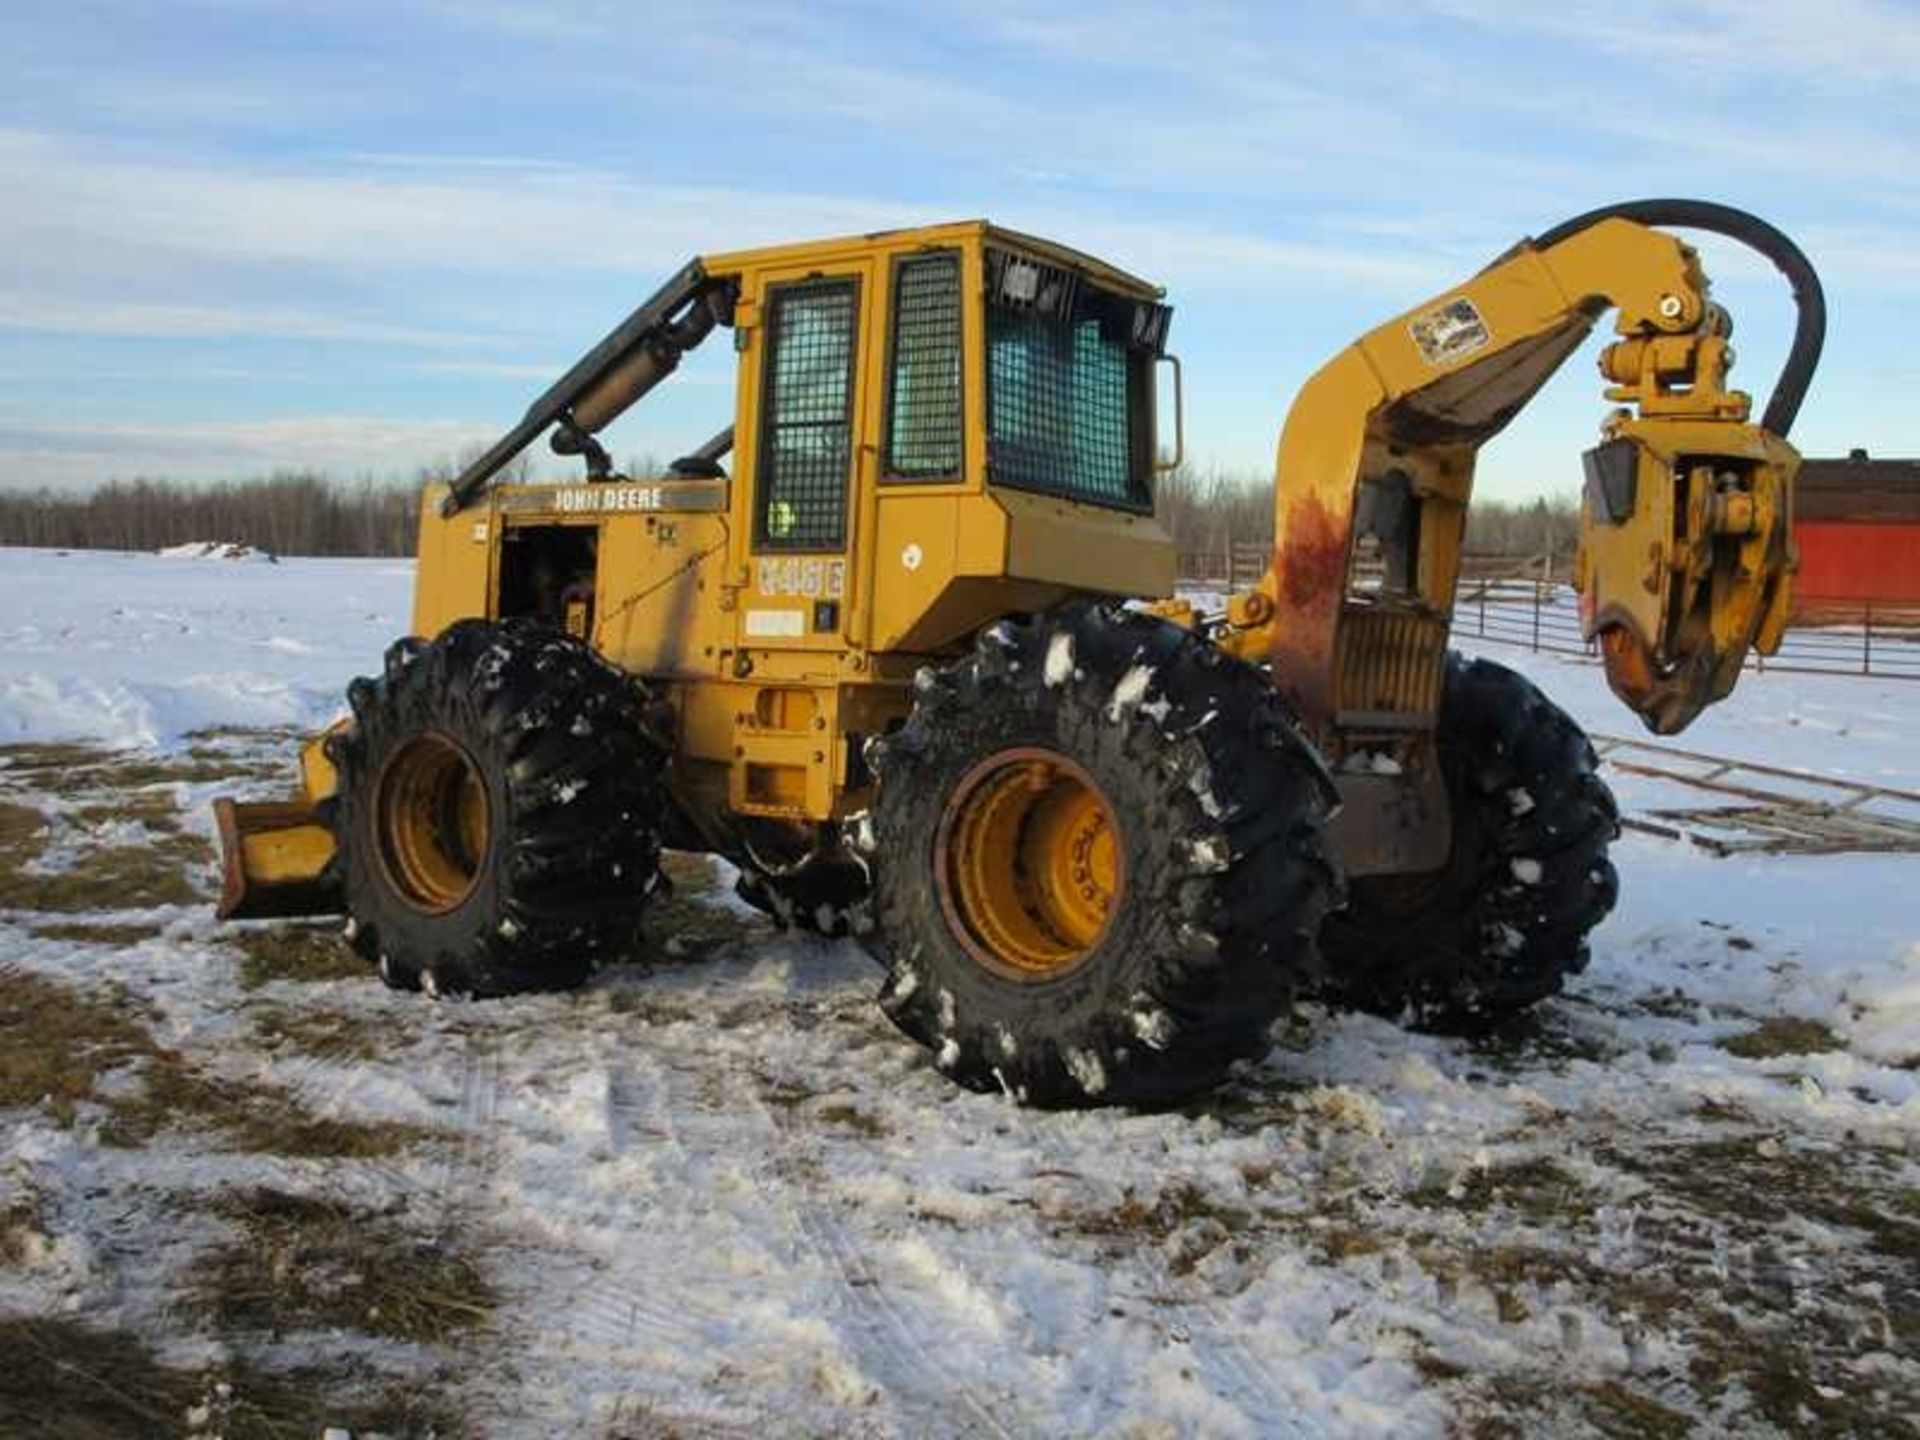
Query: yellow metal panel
<point x="455" y="564"/>
<point x="298" y="852"/>
<point x="915" y="555"/>
<point x="1087" y="548"/>
<point x="318" y="778"/>
<point x="658" y="593"/>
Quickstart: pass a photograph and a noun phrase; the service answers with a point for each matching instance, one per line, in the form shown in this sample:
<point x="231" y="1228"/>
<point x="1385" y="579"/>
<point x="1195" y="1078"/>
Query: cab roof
<point x="957" y="232"/>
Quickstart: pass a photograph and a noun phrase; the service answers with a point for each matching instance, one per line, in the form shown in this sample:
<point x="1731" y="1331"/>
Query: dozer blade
<point x="273" y="861"/>
<point x="274" y="855"/>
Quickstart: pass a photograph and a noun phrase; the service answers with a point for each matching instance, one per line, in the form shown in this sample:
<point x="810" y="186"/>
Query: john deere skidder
<point x="916" y="668"/>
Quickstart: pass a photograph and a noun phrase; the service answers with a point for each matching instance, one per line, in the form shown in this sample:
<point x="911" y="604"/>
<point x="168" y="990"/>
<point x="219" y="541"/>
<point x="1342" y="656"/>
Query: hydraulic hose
<point x="1810" y="328"/>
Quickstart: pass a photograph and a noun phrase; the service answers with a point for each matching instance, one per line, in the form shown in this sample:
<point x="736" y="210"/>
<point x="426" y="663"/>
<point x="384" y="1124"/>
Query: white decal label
<point x="784" y="623"/>
<point x="598" y="499"/>
<point x="1450" y="332"/>
<point x="810" y="577"/>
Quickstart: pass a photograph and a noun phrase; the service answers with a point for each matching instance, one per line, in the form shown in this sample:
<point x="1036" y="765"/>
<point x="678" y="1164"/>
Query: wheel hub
<point x="433" y="822"/>
<point x="1028" y="863"/>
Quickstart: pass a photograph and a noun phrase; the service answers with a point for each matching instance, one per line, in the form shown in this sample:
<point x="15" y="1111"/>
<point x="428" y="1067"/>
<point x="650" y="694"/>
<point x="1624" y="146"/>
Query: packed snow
<point x="217" y="550"/>
<point x="139" y="650"/>
<point x="715" y="1193"/>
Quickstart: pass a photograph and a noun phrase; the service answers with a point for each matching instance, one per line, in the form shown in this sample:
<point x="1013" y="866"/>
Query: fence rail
<point x="1764" y="808"/>
<point x="1884" y="643"/>
<point x="1880" y="639"/>
<point x="1244" y="562"/>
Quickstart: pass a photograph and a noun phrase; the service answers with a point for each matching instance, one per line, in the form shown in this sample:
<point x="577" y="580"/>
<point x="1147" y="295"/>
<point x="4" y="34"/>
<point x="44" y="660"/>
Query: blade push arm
<point x="636" y="355"/>
<point x="1685" y="554"/>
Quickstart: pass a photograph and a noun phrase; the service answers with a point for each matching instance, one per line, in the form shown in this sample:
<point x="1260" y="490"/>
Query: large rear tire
<point x="1099" y="862"/>
<point x="497" y="822"/>
<point x="1504" y="922"/>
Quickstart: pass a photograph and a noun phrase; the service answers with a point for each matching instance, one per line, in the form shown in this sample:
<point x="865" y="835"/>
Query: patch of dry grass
<point x="1182" y="1218"/>
<point x="72" y="771"/>
<point x="302" y="1263"/>
<point x="118" y="936"/>
<point x="852" y="1117"/>
<point x="116" y="877"/>
<point x="252" y="1117"/>
<point x="35" y="759"/>
<point x="67" y="1381"/>
<point x="20" y="829"/>
<point x="153" y="809"/>
<point x="1763" y="1354"/>
<point x="57" y="1043"/>
<point x="324" y="1034"/>
<point x="1538" y="1189"/>
<point x="305" y="953"/>
<point x="22" y="1226"/>
<point x="127" y="877"/>
<point x="167" y="770"/>
<point x="1517" y="1407"/>
<point x="1783" y="1035"/>
<point x="23" y="836"/>
<point x="692" y="920"/>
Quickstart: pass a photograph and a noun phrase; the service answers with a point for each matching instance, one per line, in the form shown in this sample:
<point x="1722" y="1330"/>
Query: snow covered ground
<point x="715" y="1193"/>
<point x="140" y="649"/>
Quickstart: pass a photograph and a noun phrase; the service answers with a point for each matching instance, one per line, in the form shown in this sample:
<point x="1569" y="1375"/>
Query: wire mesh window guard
<point x="1065" y="404"/>
<point x="923" y="403"/>
<point x="806" y="430"/>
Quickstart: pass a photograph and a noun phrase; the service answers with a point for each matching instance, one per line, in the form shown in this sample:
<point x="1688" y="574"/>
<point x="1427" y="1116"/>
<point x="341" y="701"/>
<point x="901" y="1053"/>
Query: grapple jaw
<point x="276" y="857"/>
<point x="1686" y="559"/>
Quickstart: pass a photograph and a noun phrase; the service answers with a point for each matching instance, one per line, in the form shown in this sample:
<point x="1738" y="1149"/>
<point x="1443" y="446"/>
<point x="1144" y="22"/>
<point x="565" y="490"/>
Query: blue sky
<point x="357" y="236"/>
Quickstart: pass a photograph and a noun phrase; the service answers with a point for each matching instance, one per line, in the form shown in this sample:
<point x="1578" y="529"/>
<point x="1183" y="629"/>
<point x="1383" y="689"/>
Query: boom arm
<point x="1685" y="526"/>
<point x="636" y="355"/>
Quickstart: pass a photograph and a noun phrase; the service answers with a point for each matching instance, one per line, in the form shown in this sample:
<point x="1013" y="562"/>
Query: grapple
<point x="1686" y="560"/>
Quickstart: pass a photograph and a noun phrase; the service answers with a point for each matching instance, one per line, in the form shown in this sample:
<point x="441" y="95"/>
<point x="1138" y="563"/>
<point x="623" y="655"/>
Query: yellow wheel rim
<point x="433" y="821"/>
<point x="1028" y="863"/>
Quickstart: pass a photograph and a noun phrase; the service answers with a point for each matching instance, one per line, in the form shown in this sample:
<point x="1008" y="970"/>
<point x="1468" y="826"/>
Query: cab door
<point x="801" y="419"/>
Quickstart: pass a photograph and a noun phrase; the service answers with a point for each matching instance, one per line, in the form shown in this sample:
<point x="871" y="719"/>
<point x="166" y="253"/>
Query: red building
<point x="1857" y="525"/>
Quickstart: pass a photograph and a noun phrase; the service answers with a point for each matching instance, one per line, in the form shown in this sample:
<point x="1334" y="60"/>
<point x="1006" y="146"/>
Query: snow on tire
<point x="1505" y="921"/>
<point x="498" y="816"/>
<point x="1204" y="808"/>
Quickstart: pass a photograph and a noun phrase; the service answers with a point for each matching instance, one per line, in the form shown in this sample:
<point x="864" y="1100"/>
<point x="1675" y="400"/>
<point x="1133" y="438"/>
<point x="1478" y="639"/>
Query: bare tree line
<point x="288" y="514"/>
<point x="1212" y="511"/>
<point x="305" y="513"/>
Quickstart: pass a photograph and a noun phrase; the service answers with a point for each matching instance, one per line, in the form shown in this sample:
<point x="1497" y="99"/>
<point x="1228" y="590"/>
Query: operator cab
<point x="921" y="416"/>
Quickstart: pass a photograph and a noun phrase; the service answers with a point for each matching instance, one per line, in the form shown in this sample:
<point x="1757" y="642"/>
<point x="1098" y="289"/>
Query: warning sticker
<point x="1450" y="332"/>
<point x="785" y="623"/>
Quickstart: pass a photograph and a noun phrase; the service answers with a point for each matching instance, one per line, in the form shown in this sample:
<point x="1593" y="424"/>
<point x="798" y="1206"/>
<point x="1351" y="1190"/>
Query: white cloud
<point x="182" y="321"/>
<point x="106" y="243"/>
<point x="75" y="209"/>
<point x="1836" y="42"/>
<point x="70" y="455"/>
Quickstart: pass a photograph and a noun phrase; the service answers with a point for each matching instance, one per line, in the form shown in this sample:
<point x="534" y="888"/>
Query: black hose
<point x="1810" y="329"/>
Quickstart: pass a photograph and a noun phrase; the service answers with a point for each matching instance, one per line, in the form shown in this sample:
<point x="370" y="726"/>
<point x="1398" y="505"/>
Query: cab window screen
<point x="923" y="403"/>
<point x="1066" y="404"/>
<point x="805" y="445"/>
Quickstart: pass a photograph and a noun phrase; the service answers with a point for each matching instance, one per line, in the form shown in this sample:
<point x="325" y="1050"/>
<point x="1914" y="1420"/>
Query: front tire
<point x="497" y="822"/>
<point x="1504" y="922"/>
<point x="1099" y="862"/>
